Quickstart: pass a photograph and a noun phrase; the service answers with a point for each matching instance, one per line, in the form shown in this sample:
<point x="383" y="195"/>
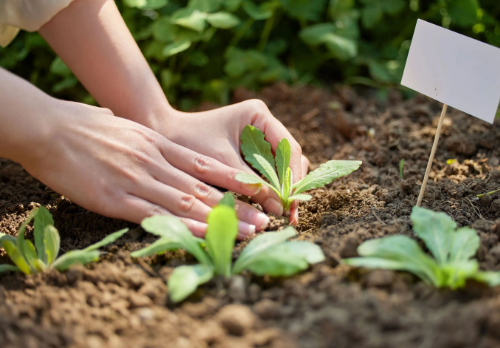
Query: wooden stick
<point x="433" y="152"/>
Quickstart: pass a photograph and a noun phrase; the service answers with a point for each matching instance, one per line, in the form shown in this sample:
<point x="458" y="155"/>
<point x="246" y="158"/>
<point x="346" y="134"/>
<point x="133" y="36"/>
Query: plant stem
<point x="268" y="27"/>
<point x="237" y="37"/>
<point x="489" y="193"/>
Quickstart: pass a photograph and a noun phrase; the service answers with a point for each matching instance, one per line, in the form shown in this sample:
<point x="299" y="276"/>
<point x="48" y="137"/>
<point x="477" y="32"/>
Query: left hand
<point x="216" y="134"/>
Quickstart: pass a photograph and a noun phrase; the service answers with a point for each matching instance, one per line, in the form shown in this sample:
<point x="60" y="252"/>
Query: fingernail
<point x="260" y="220"/>
<point x="273" y="206"/>
<point x="252" y="188"/>
<point x="246" y="229"/>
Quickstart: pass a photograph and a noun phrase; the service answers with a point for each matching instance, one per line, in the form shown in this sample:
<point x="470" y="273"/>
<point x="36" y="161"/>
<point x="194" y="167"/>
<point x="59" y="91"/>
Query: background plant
<point x="452" y="249"/>
<point x="32" y="258"/>
<point x="202" y="49"/>
<point x="267" y="254"/>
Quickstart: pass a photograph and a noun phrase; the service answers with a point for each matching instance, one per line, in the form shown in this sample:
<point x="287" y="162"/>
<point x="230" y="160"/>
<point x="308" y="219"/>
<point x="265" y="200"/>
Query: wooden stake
<point x="433" y="152"/>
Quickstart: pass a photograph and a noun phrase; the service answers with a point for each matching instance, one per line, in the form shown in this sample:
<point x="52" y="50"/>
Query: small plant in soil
<point x="452" y="249"/>
<point x="276" y="169"/>
<point x="29" y="258"/>
<point x="267" y="254"/>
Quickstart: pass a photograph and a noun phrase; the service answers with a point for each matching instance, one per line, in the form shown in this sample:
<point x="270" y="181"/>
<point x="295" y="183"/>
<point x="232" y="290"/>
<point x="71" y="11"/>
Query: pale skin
<point x="152" y="159"/>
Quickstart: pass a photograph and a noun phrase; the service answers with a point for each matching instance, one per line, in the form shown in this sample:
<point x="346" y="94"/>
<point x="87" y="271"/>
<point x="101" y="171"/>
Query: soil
<point x="121" y="302"/>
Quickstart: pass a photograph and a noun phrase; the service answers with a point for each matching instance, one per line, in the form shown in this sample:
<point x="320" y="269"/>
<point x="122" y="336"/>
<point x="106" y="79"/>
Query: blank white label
<point x="454" y="69"/>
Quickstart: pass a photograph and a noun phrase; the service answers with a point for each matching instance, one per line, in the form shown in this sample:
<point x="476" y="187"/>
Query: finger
<point x="269" y="201"/>
<point x="136" y="209"/>
<point x="294" y="213"/>
<point x="254" y="219"/>
<point x="274" y="131"/>
<point x="207" y="169"/>
<point x="305" y="165"/>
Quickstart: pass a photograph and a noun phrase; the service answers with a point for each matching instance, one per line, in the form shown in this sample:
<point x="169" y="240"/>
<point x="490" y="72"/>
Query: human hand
<point x="121" y="169"/>
<point x="216" y="134"/>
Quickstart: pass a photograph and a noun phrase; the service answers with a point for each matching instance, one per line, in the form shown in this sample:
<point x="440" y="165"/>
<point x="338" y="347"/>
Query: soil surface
<point x="123" y="302"/>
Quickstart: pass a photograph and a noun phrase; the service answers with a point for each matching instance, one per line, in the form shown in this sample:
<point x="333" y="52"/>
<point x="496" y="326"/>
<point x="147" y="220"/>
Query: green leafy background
<point x="203" y="49"/>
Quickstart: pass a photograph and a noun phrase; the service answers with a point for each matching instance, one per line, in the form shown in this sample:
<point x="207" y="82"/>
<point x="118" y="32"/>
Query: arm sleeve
<point x="28" y="15"/>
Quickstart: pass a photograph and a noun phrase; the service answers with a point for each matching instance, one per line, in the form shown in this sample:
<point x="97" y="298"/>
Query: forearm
<point x="23" y="125"/>
<point x="91" y="37"/>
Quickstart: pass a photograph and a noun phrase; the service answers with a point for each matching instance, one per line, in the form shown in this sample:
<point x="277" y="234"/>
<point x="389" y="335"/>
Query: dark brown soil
<point x="120" y="302"/>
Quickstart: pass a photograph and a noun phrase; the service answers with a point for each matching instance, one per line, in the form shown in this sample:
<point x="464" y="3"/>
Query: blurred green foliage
<point x="203" y="49"/>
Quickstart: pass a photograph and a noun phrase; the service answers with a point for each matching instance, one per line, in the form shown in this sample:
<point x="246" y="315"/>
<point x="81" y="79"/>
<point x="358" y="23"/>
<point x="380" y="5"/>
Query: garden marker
<point x="455" y="70"/>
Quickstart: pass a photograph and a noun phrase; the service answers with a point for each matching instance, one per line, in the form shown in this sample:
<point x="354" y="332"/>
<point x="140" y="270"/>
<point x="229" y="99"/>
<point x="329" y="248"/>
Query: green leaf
<point x="175" y="47"/>
<point x="163" y="30"/>
<point x="107" y="240"/>
<point x="283" y="154"/>
<point x="317" y="34"/>
<point x="4" y="237"/>
<point x="393" y="7"/>
<point x="285" y="259"/>
<point x="43" y="219"/>
<point x="232" y="5"/>
<point x="220" y="237"/>
<point x="67" y="260"/>
<point x="223" y="20"/>
<point x="287" y="187"/>
<point x="463" y="12"/>
<point x="52" y="243"/>
<point x="159" y="246"/>
<point x="397" y="253"/>
<point x="305" y="9"/>
<point x="205" y="5"/>
<point x="21" y="245"/>
<point x="16" y="256"/>
<point x="9" y="268"/>
<point x="342" y="48"/>
<point x="248" y="178"/>
<point x="258" y="153"/>
<point x="371" y="15"/>
<point x="325" y="174"/>
<point x="146" y="4"/>
<point x="490" y="278"/>
<point x="190" y="18"/>
<point x="58" y="67"/>
<point x="174" y="229"/>
<point x="456" y="274"/>
<point x="30" y="255"/>
<point x="185" y="279"/>
<point x="228" y="200"/>
<point x="436" y="229"/>
<point x="300" y="197"/>
<point x="259" y="244"/>
<point x="257" y="12"/>
<point x="464" y="246"/>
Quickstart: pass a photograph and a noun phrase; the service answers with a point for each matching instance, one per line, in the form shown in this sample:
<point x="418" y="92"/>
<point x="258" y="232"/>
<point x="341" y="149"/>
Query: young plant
<point x="452" y="249"/>
<point x="29" y="258"/>
<point x="276" y="169"/>
<point x="267" y="254"/>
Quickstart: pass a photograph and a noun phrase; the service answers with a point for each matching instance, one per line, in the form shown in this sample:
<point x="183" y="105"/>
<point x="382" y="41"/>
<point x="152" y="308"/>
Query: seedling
<point x="267" y="254"/>
<point x="276" y="169"/>
<point x="30" y="259"/>
<point x="488" y="193"/>
<point x="401" y="169"/>
<point x="452" y="249"/>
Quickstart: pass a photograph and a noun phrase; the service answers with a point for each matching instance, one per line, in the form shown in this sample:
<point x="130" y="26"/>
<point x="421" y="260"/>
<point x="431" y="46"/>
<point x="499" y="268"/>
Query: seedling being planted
<point x="29" y="258"/>
<point x="267" y="254"/>
<point x="452" y="249"/>
<point x="276" y="169"/>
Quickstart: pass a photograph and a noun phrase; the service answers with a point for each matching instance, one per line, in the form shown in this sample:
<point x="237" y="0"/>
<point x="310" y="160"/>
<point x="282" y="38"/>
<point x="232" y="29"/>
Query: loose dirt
<point x="121" y="302"/>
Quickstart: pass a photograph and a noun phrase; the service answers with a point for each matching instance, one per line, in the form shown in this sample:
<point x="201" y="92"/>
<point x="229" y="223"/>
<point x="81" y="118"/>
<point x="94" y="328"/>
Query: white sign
<point x="455" y="70"/>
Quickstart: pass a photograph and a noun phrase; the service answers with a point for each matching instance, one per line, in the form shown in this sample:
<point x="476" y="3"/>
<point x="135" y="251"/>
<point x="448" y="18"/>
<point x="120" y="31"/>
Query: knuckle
<point x="202" y="191"/>
<point x="258" y="105"/>
<point x="186" y="203"/>
<point x="142" y="156"/>
<point x="202" y="164"/>
<point x="155" y="210"/>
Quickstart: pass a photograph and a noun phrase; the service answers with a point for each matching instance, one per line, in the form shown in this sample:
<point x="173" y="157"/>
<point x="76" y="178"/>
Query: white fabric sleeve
<point x="28" y="15"/>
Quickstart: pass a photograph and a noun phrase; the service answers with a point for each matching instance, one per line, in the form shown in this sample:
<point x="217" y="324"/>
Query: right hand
<point x="121" y="169"/>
